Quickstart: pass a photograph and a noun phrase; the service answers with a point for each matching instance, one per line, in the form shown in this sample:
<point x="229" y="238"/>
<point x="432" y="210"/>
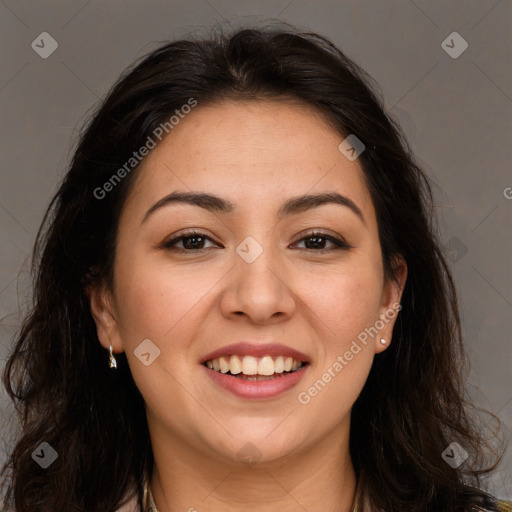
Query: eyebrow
<point x="290" y="207"/>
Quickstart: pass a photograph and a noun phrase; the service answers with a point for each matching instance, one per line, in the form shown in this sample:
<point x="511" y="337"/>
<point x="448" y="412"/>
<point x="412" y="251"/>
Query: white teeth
<point x="266" y="366"/>
<point x="224" y="365"/>
<point x="235" y="365"/>
<point x="279" y="364"/>
<point x="249" y="365"/>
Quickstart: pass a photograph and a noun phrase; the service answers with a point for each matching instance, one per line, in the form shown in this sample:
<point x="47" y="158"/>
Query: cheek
<point x="344" y="305"/>
<point x="166" y="306"/>
<point x="345" y="302"/>
<point x="157" y="301"/>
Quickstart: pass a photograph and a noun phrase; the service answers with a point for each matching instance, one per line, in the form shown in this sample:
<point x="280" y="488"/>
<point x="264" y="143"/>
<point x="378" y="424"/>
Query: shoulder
<point x="505" y="506"/>
<point x="130" y="506"/>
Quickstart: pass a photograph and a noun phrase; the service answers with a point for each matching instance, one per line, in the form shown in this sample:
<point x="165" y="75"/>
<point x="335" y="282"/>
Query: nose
<point x="259" y="290"/>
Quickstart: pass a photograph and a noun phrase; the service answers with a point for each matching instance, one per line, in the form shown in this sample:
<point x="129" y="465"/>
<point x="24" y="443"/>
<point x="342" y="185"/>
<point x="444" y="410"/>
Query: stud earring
<point x="383" y="341"/>
<point x="112" y="360"/>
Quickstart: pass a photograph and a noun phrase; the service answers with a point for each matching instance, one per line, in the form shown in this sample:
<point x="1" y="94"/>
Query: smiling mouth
<point x="255" y="369"/>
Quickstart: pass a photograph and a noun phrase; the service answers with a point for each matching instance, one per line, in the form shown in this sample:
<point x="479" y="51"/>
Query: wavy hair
<point x="414" y="402"/>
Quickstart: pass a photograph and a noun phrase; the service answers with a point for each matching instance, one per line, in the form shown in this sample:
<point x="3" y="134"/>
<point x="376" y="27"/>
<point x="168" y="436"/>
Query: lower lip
<point x="257" y="390"/>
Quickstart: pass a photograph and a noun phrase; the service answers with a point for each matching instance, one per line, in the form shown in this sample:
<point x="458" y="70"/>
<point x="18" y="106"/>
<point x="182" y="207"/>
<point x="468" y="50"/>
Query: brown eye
<point x="317" y="241"/>
<point x="190" y="241"/>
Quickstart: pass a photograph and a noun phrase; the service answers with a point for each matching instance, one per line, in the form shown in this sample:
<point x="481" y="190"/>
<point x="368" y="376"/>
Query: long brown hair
<point x="413" y="404"/>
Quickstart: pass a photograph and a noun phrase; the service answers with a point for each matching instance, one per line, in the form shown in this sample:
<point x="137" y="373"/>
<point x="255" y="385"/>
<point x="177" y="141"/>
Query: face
<point x="263" y="268"/>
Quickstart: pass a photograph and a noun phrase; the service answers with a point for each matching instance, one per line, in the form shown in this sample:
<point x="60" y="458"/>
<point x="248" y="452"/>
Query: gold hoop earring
<point x="112" y="360"/>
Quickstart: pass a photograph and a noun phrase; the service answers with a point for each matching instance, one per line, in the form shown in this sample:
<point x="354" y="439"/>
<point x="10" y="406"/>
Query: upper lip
<point x="246" y="348"/>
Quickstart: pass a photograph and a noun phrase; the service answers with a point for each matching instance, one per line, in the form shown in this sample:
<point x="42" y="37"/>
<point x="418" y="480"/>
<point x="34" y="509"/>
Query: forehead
<point x="251" y="152"/>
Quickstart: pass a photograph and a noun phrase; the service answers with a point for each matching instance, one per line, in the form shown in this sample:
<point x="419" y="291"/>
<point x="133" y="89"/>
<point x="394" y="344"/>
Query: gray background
<point x="455" y="112"/>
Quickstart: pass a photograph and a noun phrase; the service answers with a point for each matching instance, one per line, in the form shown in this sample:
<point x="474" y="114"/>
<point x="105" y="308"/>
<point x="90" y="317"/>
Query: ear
<point x="104" y="314"/>
<point x="390" y="304"/>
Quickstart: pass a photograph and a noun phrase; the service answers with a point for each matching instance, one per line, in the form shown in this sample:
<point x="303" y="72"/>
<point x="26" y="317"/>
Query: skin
<point x="256" y="154"/>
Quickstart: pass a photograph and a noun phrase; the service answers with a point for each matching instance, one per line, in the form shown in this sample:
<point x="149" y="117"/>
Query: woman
<point x="241" y="303"/>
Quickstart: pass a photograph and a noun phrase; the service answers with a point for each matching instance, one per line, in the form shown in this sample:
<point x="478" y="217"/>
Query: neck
<point x="319" y="478"/>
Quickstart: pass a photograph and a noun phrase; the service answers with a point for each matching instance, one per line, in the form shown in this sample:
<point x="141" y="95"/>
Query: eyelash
<point x="338" y="243"/>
